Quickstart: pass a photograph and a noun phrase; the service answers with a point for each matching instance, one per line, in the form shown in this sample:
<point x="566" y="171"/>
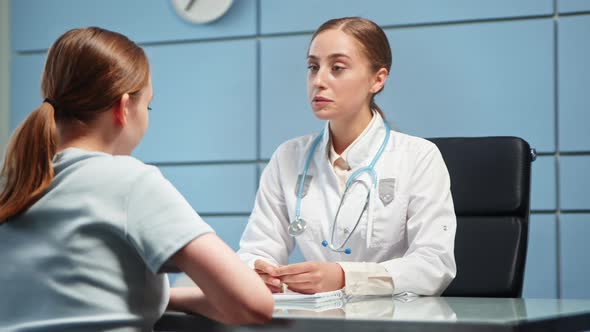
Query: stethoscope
<point x="298" y="226"/>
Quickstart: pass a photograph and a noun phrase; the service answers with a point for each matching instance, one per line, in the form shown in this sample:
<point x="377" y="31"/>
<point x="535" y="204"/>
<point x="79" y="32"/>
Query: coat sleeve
<point x="428" y="266"/>
<point x="266" y="235"/>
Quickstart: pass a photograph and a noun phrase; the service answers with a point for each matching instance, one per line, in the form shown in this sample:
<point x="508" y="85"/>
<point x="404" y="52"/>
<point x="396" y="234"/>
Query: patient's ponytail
<point x="27" y="169"/>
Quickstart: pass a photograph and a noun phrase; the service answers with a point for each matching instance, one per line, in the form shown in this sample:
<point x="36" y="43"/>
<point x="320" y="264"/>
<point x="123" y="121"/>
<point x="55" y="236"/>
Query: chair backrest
<point x="490" y="184"/>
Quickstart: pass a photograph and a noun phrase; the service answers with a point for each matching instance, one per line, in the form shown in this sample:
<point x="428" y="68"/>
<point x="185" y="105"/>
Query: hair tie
<point x="50" y="102"/>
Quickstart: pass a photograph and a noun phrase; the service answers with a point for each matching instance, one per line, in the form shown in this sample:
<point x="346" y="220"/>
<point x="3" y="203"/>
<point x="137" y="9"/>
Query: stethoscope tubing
<point x="300" y="224"/>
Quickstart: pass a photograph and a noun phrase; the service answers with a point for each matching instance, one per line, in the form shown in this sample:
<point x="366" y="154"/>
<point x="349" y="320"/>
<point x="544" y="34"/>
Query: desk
<point x="418" y="314"/>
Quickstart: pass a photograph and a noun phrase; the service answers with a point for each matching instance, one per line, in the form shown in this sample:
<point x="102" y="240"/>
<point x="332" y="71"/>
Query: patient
<point x="86" y="231"/>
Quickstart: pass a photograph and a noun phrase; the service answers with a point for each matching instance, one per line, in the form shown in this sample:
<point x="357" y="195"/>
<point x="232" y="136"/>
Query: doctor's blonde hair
<point x="373" y="40"/>
<point x="87" y="71"/>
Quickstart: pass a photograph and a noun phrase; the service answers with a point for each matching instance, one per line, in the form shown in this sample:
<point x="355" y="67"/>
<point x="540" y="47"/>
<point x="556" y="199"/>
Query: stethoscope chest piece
<point x="297" y="227"/>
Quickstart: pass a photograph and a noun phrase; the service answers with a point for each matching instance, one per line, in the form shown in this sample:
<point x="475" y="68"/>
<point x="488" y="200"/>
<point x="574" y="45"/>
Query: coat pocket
<point x="389" y="221"/>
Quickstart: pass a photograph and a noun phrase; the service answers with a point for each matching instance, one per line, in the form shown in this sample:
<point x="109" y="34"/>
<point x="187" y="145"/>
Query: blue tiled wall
<point x="574" y="80"/>
<point x="227" y="93"/>
<point x="575" y="267"/>
<point x="204" y="107"/>
<point x="540" y="274"/>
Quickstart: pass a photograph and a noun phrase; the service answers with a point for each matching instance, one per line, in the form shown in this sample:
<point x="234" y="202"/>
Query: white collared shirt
<point x="409" y="231"/>
<point x="341" y="167"/>
<point x="338" y="161"/>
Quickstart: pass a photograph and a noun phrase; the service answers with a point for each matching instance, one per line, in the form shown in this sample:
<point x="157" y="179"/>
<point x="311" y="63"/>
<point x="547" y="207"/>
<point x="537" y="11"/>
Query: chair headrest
<point x="489" y="175"/>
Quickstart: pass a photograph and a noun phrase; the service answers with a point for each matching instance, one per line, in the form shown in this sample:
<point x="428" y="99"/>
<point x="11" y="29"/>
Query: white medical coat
<point x="411" y="236"/>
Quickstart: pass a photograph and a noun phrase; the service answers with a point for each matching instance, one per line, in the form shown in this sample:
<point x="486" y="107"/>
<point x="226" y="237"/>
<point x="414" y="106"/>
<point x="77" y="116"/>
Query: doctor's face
<point x="339" y="76"/>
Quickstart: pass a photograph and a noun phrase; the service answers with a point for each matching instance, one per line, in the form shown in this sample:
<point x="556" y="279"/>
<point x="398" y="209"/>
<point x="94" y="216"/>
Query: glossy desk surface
<point x="412" y="314"/>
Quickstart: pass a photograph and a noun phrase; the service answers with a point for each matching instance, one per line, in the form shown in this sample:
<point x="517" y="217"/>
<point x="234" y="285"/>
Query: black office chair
<point x="490" y="183"/>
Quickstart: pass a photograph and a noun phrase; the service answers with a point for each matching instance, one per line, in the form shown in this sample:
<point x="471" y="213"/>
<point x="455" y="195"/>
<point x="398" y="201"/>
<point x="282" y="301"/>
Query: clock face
<point x="201" y="11"/>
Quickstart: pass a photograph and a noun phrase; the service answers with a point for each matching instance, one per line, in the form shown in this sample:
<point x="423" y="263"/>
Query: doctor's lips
<point x="320" y="101"/>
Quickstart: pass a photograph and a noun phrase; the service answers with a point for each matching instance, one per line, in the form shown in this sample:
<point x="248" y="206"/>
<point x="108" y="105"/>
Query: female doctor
<point x="370" y="208"/>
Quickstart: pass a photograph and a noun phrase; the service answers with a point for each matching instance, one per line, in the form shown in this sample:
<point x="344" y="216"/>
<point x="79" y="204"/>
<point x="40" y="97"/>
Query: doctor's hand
<point x="312" y="277"/>
<point x="268" y="273"/>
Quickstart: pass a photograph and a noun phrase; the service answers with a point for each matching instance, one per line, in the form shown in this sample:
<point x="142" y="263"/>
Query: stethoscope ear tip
<point x="325" y="243"/>
<point x="347" y="251"/>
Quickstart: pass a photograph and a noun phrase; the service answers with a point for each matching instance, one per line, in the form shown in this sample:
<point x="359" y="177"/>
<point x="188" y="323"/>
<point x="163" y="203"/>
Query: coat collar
<point x="363" y="148"/>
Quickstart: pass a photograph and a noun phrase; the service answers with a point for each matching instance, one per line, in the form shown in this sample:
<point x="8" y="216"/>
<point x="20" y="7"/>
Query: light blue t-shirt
<point x="88" y="255"/>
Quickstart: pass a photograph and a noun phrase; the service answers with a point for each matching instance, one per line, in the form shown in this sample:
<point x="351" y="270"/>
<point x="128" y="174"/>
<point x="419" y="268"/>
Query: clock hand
<point x="189" y="5"/>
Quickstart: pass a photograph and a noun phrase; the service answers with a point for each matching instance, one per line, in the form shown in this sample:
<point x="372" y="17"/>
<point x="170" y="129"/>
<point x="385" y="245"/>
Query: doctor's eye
<point x="312" y="67"/>
<point x="337" y="68"/>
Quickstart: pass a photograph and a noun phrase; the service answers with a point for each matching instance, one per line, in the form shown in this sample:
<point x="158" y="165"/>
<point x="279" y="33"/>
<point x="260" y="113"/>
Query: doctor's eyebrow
<point x="331" y="56"/>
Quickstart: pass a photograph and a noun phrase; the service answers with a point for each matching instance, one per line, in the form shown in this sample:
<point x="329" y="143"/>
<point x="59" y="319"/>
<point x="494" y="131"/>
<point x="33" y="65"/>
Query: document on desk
<point x="318" y="301"/>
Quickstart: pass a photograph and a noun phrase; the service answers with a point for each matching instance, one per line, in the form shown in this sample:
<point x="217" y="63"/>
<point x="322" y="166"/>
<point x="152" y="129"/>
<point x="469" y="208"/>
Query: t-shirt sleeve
<point x="159" y="220"/>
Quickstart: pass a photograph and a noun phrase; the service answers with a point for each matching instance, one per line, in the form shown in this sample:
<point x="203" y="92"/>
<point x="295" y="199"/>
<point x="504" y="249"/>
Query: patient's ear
<point x="121" y="111"/>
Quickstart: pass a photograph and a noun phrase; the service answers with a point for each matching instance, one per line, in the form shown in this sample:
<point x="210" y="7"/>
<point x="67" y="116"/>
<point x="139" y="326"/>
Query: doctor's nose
<point x="319" y="79"/>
